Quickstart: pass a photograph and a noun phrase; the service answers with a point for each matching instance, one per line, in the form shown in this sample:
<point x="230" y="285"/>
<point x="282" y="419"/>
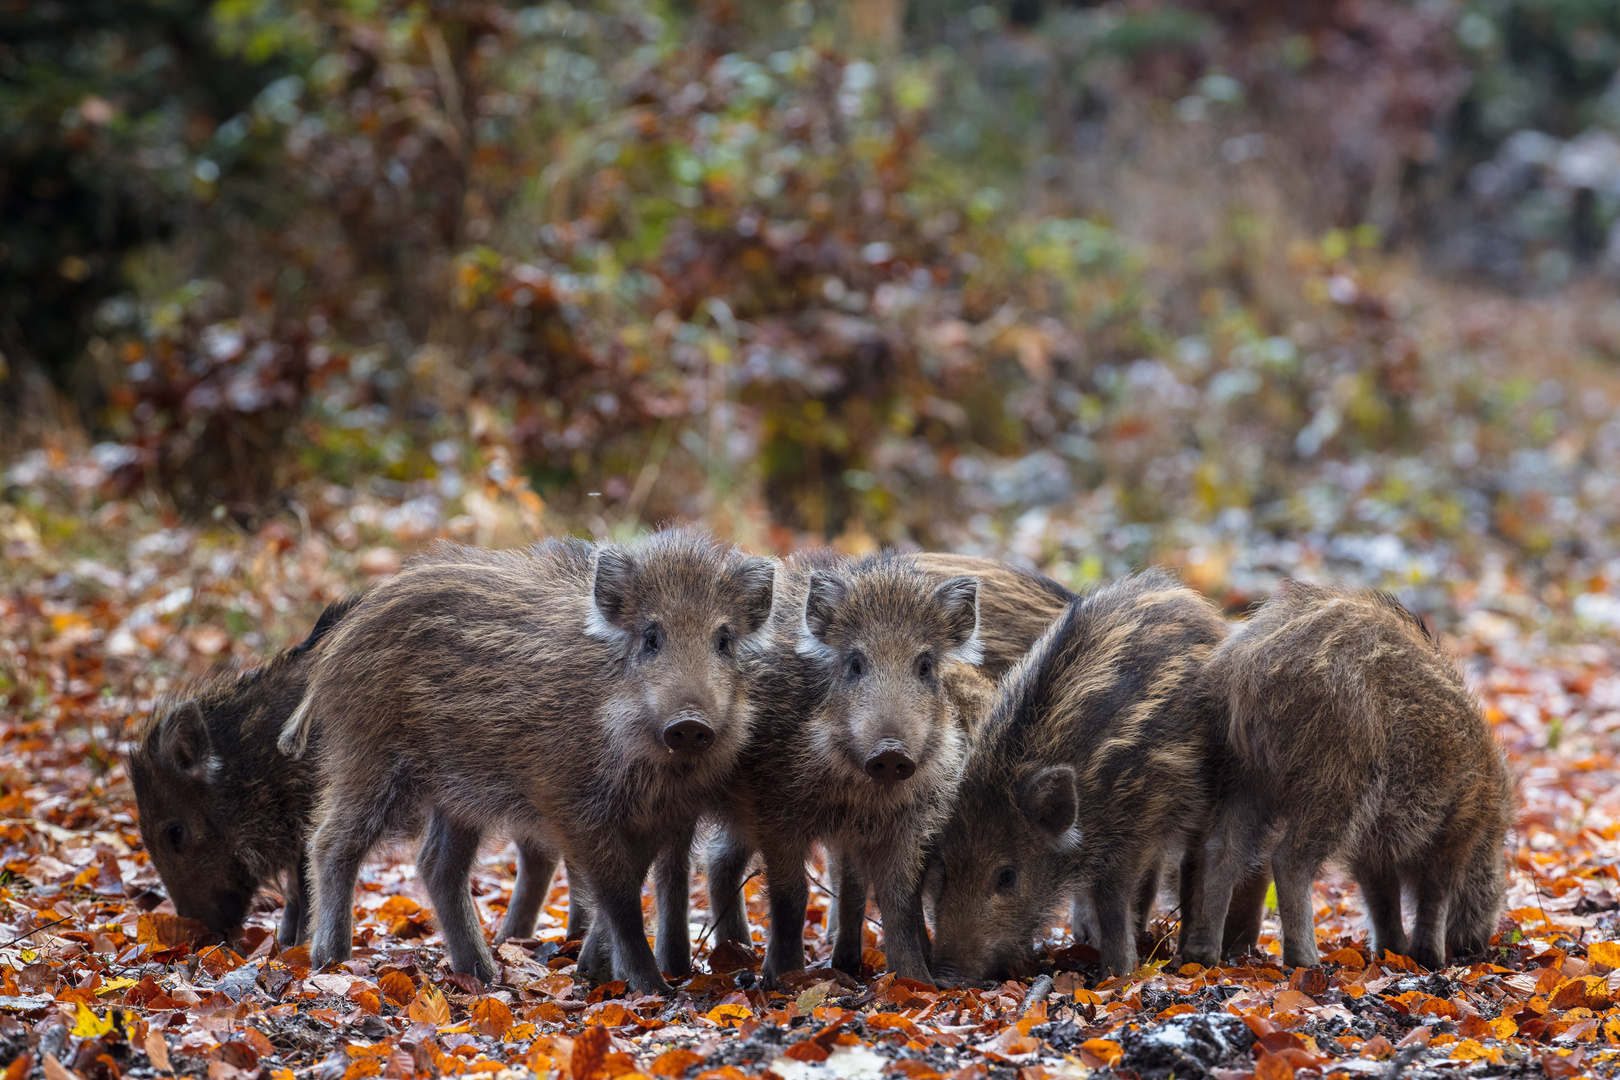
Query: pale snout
<point x="890" y="762"/>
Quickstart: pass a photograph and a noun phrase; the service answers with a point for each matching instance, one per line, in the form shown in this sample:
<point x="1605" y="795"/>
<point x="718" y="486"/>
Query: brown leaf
<point x="159" y="931"/>
<point x="729" y="956"/>
<point x="55" y="1070"/>
<point x="157" y="1051"/>
<point x="238" y="1055"/>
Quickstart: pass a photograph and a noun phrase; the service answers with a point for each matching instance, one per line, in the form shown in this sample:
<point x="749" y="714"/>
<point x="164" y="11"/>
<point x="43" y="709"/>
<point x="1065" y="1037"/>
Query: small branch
<point x="1039" y="991"/>
<point x="35" y="930"/>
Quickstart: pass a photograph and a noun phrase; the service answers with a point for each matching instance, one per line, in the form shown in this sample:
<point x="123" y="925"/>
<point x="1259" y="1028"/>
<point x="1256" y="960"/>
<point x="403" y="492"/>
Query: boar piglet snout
<point x="890" y="762"/>
<point x="688" y="735"/>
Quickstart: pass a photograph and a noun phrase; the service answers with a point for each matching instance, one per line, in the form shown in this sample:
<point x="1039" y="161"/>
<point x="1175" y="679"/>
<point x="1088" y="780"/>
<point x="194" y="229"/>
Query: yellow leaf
<point x="1606" y="953"/>
<point x="728" y="1015"/>
<point x="113" y="985"/>
<point x="87" y="1026"/>
<point x="1474" y="1050"/>
<point x="1504" y="1027"/>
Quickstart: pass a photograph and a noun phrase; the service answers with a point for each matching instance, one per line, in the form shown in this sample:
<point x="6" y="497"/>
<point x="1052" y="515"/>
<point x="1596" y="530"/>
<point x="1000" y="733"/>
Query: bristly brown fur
<point x="1093" y="767"/>
<point x="1015" y="605"/>
<point x="1354" y="738"/>
<point x="535" y="692"/>
<point x="861" y="662"/>
<point x="802" y="781"/>
<point x="206" y="761"/>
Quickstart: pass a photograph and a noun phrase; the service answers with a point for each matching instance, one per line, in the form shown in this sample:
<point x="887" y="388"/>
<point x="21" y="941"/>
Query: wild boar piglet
<point x="1092" y="768"/>
<point x="1353" y="738"/>
<point x="589" y="698"/>
<point x="858" y="745"/>
<point x="224" y="812"/>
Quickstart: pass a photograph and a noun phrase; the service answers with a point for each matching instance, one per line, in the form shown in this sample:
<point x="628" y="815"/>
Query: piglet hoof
<point x="677" y="966"/>
<point x="848" y="964"/>
<point x="1428" y="959"/>
<point x="1204" y="957"/>
<point x="649" y="984"/>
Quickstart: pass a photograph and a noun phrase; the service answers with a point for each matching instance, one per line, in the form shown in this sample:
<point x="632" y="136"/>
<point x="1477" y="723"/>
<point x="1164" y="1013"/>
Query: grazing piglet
<point x="1354" y="739"/>
<point x="858" y="744"/>
<point x="1089" y="772"/>
<point x="223" y="812"/>
<point x="590" y="698"/>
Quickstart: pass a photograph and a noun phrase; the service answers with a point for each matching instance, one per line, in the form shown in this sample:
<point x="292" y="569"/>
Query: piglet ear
<point x="611" y="588"/>
<point x="958" y="598"/>
<point x="183" y="740"/>
<point x="1049" y="799"/>
<point x="822" y="598"/>
<point x="755" y="579"/>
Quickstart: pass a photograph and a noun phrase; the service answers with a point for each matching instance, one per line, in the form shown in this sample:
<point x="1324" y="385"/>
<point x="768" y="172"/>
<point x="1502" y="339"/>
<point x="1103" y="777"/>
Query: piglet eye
<point x="855" y="666"/>
<point x="1006" y="878"/>
<point x="925" y="667"/>
<point x="652" y="639"/>
<point x="722" y="642"/>
<point x="175" y="836"/>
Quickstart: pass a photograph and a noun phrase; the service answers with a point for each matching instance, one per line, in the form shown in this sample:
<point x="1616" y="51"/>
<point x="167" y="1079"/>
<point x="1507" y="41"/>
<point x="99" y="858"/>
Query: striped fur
<point x="1354" y="739"/>
<point x="1093" y="767"/>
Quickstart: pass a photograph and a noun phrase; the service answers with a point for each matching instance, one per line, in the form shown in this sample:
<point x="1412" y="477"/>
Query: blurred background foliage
<point x="1241" y="284"/>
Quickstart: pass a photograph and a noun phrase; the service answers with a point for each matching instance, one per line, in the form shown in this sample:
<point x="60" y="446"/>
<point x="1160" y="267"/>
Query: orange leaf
<point x="1273" y="1067"/>
<point x="613" y="1014"/>
<point x="808" y="1050"/>
<point x="891" y="1022"/>
<point x="675" y="1062"/>
<point x="1104" y="1052"/>
<point x="159" y="931"/>
<point x="492" y="1017"/>
<point x="429" y="1007"/>
<point x="1349" y="958"/>
<point x="1472" y="1050"/>
<point x="397" y="987"/>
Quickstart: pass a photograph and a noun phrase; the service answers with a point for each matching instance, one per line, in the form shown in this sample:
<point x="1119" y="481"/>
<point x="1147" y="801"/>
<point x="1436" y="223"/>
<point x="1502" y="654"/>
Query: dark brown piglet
<point x="589" y="698"/>
<point x="858" y="746"/>
<point x="1354" y="739"/>
<point x="224" y="812"/>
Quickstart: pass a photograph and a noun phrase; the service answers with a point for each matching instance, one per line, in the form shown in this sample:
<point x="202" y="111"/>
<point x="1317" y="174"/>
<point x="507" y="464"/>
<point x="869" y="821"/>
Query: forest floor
<point x="104" y="606"/>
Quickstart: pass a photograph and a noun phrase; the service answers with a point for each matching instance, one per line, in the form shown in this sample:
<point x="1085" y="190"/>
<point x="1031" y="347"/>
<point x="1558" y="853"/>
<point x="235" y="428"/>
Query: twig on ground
<point x="1039" y="991"/>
